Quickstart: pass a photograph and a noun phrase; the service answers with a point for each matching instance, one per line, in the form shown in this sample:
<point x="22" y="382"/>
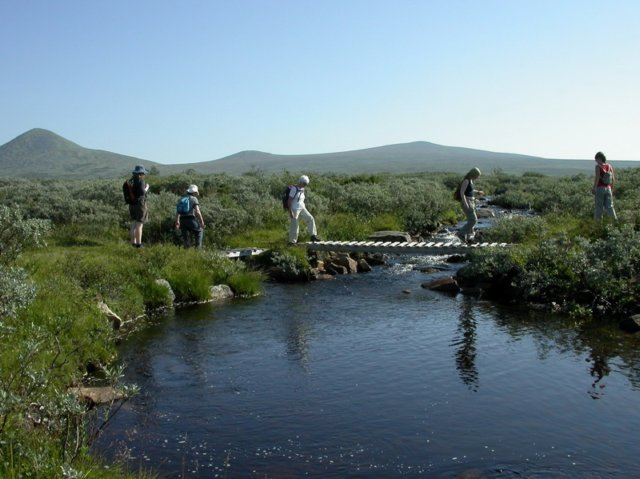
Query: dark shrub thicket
<point x="93" y="211"/>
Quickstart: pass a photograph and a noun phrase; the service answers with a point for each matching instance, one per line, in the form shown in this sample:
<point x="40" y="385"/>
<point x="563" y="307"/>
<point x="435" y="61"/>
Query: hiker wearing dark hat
<point x="189" y="219"/>
<point x="466" y="194"/>
<point x="138" y="207"/>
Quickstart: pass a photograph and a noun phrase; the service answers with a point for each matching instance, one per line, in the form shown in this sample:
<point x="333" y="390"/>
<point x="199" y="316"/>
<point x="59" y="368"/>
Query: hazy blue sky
<point x="197" y="80"/>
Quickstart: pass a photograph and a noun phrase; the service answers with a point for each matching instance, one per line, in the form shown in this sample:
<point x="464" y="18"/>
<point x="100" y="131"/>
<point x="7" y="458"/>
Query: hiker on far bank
<point x="138" y="211"/>
<point x="298" y="211"/>
<point x="603" y="187"/>
<point x="189" y="218"/>
<point x="466" y="195"/>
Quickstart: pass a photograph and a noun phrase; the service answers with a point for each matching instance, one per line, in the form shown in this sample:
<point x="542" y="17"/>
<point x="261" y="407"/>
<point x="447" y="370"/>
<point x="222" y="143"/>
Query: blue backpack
<point x="183" y="207"/>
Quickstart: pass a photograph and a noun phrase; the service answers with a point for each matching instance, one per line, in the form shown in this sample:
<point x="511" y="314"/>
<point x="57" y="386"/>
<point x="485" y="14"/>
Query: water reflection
<point x="227" y="390"/>
<point x="298" y="332"/>
<point x="465" y="343"/>
<point x="601" y="343"/>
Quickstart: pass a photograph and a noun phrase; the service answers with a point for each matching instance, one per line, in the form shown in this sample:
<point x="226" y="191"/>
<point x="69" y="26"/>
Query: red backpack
<point x="127" y="191"/>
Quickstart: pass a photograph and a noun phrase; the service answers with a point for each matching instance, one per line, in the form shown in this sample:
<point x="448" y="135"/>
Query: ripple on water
<point x="354" y="378"/>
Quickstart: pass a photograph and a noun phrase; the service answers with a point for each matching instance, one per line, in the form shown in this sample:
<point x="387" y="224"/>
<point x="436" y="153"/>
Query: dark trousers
<point x="191" y="231"/>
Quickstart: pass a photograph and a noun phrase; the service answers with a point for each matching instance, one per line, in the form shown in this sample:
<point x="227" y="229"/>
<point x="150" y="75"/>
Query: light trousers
<point x="294" y="225"/>
<point x="604" y="201"/>
<point x="472" y="218"/>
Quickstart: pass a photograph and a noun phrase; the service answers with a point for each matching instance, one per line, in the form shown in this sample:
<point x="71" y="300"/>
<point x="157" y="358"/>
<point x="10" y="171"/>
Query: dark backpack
<point x="606" y="176"/>
<point x="183" y="206"/>
<point x="127" y="191"/>
<point x="456" y="193"/>
<point x="285" y="196"/>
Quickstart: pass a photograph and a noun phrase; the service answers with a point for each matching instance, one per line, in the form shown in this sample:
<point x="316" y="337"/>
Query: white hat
<point x="193" y="189"/>
<point x="304" y="179"/>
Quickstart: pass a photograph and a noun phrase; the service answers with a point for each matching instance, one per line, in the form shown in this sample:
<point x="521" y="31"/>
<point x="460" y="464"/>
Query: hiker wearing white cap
<point x="137" y="191"/>
<point x="466" y="194"/>
<point x="189" y="219"/>
<point x="297" y="211"/>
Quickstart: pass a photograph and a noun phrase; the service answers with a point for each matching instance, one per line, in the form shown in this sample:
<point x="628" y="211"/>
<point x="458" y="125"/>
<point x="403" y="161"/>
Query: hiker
<point x="603" y="187"/>
<point x="298" y="211"/>
<point x="189" y="218"/>
<point x="138" y="206"/>
<point x="466" y="194"/>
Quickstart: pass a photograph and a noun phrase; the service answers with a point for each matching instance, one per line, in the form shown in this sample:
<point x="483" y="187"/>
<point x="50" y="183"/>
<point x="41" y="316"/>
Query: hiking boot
<point x="315" y="238"/>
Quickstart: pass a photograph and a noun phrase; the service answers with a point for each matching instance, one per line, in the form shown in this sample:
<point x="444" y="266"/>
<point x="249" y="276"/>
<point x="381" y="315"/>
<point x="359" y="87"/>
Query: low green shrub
<point x="343" y="226"/>
<point x="246" y="283"/>
<point x="284" y="263"/>
<point x="188" y="284"/>
<point x="156" y="293"/>
<point x="517" y="229"/>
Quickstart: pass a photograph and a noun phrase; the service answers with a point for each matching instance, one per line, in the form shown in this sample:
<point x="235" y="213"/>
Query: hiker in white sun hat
<point x="189" y="219"/>
<point x="298" y="211"/>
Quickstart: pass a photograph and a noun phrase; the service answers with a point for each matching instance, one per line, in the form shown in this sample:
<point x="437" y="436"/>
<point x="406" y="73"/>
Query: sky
<point x="197" y="80"/>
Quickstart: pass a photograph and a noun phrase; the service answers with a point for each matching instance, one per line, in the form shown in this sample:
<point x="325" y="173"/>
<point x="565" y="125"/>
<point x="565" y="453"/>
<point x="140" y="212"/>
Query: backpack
<point x="285" y="196"/>
<point x="456" y="192"/>
<point x="127" y="192"/>
<point x="183" y="206"/>
<point x="606" y="177"/>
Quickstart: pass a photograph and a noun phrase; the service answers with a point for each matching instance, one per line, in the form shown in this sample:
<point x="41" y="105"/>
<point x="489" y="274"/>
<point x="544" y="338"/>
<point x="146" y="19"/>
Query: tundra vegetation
<point x="64" y="249"/>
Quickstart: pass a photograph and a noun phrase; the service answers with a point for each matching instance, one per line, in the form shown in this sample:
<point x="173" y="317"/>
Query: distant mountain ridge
<point x="418" y="156"/>
<point x="43" y="154"/>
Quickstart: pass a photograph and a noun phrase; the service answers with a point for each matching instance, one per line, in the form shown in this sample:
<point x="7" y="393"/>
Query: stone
<point x="165" y="284"/>
<point x="375" y="259"/>
<point x="428" y="269"/>
<point x="444" y="285"/>
<point x="485" y="213"/>
<point x="97" y="395"/>
<point x="396" y="236"/>
<point x="220" y="292"/>
<point x="322" y="276"/>
<point x="363" y="266"/>
<point x="456" y="258"/>
<point x="346" y="261"/>
<point x="333" y="268"/>
<point x="116" y="321"/>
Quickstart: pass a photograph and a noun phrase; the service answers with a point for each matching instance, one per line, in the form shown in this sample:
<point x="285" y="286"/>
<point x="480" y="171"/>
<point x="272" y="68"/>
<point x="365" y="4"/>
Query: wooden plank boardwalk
<point x="427" y="248"/>
<point x="242" y="252"/>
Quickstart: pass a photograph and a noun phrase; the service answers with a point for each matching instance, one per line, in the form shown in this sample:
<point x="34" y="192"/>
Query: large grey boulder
<point x="116" y="321"/>
<point x="343" y="259"/>
<point x="220" y="292"/>
<point x="444" y="285"/>
<point x="163" y="283"/>
<point x="95" y="396"/>
<point x="395" y="236"/>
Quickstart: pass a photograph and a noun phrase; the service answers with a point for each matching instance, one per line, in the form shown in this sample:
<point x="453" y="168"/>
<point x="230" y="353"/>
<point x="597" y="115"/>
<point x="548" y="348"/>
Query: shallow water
<point x="372" y="376"/>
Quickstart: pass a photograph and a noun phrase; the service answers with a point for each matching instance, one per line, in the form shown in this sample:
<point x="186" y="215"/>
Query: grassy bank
<point x="64" y="250"/>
